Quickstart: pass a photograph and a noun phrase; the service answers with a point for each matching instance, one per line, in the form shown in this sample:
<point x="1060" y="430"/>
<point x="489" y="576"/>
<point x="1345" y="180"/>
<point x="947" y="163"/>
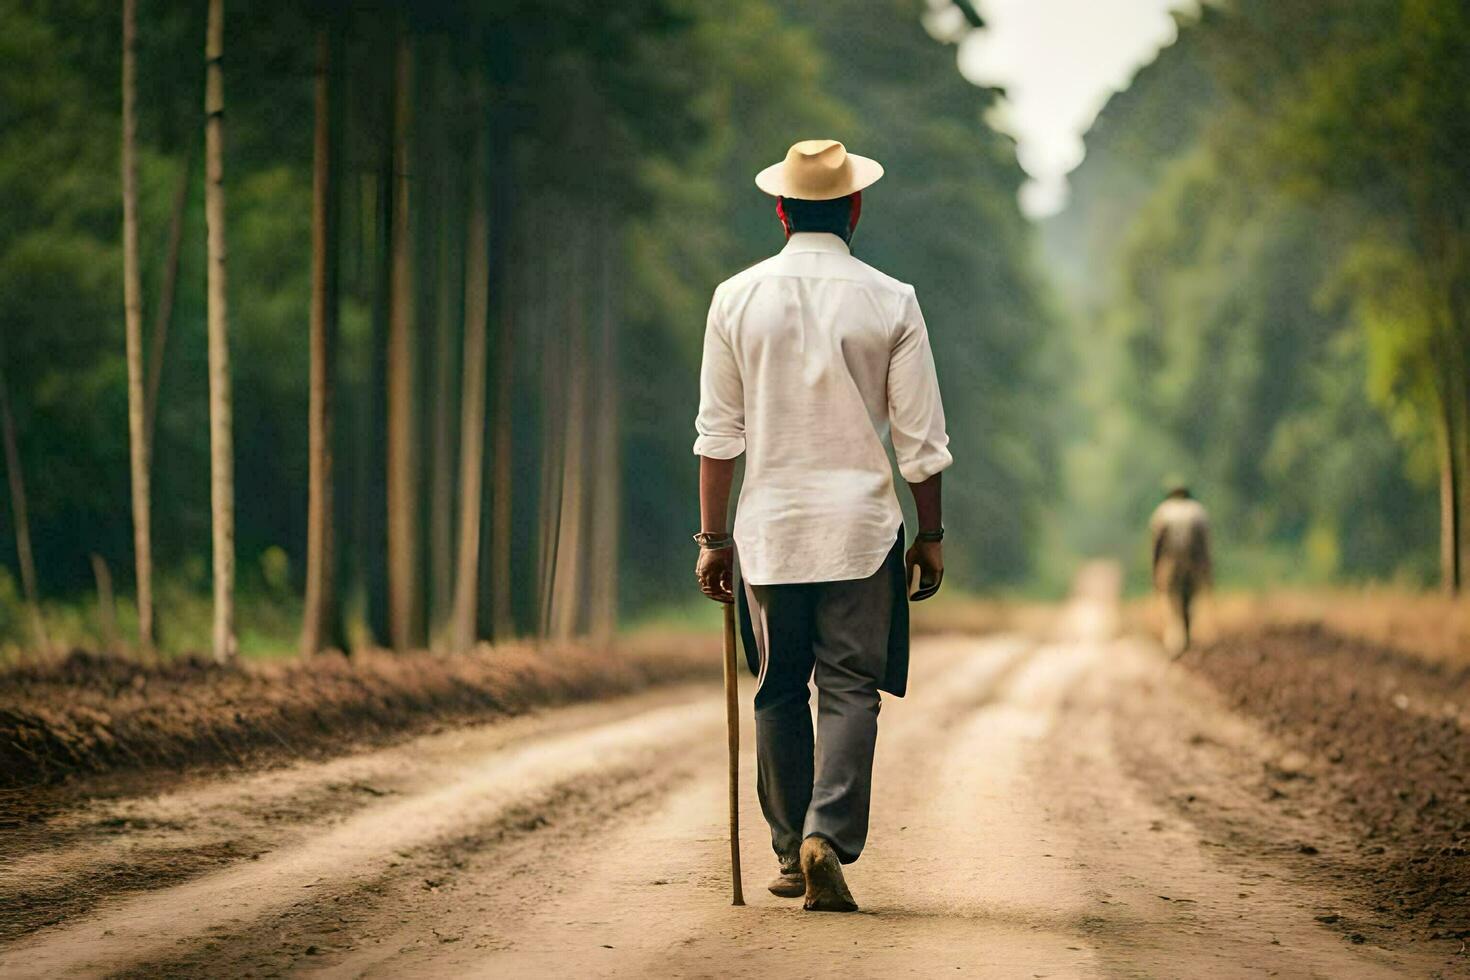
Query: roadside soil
<point x="1378" y="751"/>
<point x="87" y="714"/>
<point x="1066" y="803"/>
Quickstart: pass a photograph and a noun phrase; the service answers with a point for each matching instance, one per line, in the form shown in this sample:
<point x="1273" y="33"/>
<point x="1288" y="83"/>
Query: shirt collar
<point x="815" y="241"/>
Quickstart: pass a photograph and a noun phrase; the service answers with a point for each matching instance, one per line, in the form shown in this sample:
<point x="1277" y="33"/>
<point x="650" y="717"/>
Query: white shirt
<point x="1180" y="528"/>
<point x="811" y="359"/>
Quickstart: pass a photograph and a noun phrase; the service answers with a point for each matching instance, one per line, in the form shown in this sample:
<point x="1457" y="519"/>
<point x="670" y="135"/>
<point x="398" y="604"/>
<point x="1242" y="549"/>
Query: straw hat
<point x="818" y="170"/>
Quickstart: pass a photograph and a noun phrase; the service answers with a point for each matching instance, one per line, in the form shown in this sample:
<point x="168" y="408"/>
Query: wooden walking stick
<point x="732" y="726"/>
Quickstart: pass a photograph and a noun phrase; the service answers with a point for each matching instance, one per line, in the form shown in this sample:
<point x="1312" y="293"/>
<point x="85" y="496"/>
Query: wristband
<point x="714" y="541"/>
<point x="930" y="535"/>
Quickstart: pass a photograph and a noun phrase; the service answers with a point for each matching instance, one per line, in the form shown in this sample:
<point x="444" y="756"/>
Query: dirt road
<point x="1032" y="818"/>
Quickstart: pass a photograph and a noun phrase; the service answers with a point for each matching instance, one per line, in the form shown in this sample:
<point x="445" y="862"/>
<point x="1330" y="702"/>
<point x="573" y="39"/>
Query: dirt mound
<point x="1389" y="731"/>
<point x="88" y="713"/>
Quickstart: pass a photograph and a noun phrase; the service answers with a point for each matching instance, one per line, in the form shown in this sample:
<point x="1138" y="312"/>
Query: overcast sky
<point x="1059" y="60"/>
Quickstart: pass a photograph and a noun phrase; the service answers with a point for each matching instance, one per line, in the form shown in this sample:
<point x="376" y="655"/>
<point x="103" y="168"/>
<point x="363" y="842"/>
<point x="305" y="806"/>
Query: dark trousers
<point x="818" y="786"/>
<point x="1181" y="585"/>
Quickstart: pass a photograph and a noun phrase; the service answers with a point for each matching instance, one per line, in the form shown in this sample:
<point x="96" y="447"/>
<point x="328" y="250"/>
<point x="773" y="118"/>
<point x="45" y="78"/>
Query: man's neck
<point x="816" y="241"/>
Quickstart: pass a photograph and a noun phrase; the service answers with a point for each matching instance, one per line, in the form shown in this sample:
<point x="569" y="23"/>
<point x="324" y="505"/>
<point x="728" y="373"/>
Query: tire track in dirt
<point x="355" y="848"/>
<point x="490" y="890"/>
<point x="650" y="897"/>
<point x="1171" y="898"/>
<point x="118" y="844"/>
<point x="1018" y="830"/>
<point x="452" y="891"/>
<point x="1008" y="840"/>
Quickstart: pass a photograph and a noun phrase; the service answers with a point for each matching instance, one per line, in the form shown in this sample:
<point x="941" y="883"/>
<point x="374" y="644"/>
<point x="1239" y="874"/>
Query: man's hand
<point x="715" y="569"/>
<point x="715" y="572"/>
<point x="928" y="557"/>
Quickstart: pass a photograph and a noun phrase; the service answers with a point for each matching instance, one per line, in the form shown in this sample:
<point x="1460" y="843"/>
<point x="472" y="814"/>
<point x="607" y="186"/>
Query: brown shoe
<point x="788" y="884"/>
<point x="826" y="891"/>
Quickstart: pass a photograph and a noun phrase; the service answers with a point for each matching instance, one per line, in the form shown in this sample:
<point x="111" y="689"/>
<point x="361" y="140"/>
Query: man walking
<point x="811" y="360"/>
<point x="1181" y="538"/>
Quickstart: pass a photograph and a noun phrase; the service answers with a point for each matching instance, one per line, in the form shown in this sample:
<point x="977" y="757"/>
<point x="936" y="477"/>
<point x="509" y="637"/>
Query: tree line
<point x="417" y="341"/>
<point x="1267" y="246"/>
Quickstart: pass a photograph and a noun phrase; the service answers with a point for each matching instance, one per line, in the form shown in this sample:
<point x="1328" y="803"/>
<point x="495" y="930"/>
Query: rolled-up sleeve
<point x="721" y="419"/>
<point x="915" y="411"/>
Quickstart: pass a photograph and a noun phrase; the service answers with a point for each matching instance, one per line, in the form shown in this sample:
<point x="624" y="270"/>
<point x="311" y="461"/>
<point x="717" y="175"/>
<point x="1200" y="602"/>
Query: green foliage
<point x="658" y="112"/>
<point x="1270" y="319"/>
<point x="943" y="218"/>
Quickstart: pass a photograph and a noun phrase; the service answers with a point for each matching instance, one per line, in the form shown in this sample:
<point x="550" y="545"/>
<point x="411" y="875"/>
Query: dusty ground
<point x="1057" y="805"/>
<point x="1433" y="626"/>
<point x="87" y="714"/>
<point x="1379" y="751"/>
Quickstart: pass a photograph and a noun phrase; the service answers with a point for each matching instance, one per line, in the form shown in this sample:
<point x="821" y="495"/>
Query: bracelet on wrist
<point x="714" y="540"/>
<point x="935" y="535"/>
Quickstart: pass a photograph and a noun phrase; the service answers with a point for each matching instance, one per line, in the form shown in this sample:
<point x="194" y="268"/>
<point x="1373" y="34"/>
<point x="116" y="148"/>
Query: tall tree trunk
<point x="568" y="563"/>
<point x="441" y="445"/>
<point x="221" y="439"/>
<point x="21" y="519"/>
<point x="568" y="560"/>
<point x="1450" y="493"/>
<point x="1432" y="240"/>
<point x="502" y="614"/>
<point x="549" y="329"/>
<point x="607" y="475"/>
<point x="372" y="537"/>
<point x="167" y="292"/>
<point x="1458" y="459"/>
<point x="319" y="620"/>
<point x="133" y="328"/>
<point x="403" y="606"/>
<point x="529" y="483"/>
<point x="472" y="395"/>
<point x="1457" y="308"/>
<point x="506" y="265"/>
<point x="106" y="607"/>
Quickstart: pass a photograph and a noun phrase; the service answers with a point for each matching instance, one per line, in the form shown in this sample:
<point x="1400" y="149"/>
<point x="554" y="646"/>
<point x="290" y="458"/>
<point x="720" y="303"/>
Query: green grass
<point x="267" y="623"/>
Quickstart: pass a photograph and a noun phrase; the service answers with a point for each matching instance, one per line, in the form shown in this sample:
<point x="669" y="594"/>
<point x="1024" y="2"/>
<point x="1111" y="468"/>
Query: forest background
<point x="1259" y="287"/>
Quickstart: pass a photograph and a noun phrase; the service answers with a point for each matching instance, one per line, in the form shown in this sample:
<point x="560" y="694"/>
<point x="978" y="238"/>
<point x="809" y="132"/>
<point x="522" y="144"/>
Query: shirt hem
<point x="819" y="575"/>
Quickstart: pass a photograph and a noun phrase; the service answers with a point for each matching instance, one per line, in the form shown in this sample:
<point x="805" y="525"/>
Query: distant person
<point x="1181" y="538"/>
<point x="811" y="360"/>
